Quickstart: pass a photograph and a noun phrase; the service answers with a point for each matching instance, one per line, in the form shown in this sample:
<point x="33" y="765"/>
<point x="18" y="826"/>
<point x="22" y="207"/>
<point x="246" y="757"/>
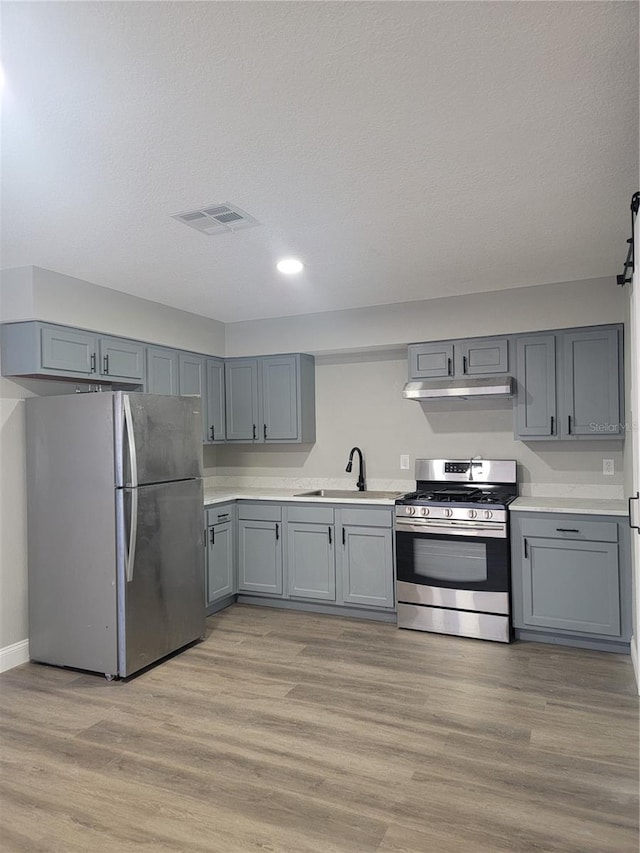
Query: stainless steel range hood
<point x="438" y="389"/>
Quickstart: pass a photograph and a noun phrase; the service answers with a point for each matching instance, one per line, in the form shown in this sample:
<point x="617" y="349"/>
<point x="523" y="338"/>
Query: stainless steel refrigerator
<point x="115" y="529"/>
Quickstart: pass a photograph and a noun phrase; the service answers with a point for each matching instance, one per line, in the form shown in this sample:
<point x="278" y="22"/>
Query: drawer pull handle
<point x="224" y="515"/>
<point x="567" y="530"/>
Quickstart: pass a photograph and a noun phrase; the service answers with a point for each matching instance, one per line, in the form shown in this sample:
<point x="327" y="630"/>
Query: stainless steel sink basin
<point x="338" y="494"/>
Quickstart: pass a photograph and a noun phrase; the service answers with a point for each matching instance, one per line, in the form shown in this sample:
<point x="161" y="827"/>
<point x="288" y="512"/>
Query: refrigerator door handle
<point x="131" y="440"/>
<point x="133" y="465"/>
<point x="133" y="534"/>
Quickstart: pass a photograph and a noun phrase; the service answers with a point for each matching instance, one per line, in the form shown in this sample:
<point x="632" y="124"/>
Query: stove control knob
<point x="411" y="510"/>
<point x="472" y="513"/>
<point x="488" y="513"/>
<point x="424" y="510"/>
<point x="448" y="513"/>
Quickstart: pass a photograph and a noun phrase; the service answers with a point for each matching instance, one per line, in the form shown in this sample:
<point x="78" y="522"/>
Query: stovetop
<point x="494" y="495"/>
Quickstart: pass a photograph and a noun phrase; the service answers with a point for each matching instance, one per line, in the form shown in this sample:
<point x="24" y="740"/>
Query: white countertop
<point x="586" y="506"/>
<point x="221" y="494"/>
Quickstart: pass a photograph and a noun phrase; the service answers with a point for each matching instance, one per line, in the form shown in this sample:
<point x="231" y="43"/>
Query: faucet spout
<point x="361" y="485"/>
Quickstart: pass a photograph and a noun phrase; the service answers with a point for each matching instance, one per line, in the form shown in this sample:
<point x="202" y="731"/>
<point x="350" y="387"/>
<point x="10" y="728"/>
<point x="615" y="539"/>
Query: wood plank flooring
<point x="302" y="733"/>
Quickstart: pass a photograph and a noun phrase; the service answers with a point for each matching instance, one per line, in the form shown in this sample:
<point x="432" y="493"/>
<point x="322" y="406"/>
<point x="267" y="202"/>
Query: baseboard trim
<point x="634" y="660"/>
<point x="14" y="655"/>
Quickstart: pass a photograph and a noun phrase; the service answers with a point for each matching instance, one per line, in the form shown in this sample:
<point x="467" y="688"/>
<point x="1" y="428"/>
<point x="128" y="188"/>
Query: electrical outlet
<point x="607" y="466"/>
<point x="404" y="461"/>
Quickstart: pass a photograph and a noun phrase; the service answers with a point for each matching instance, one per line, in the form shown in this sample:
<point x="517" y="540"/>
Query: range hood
<point x="466" y="387"/>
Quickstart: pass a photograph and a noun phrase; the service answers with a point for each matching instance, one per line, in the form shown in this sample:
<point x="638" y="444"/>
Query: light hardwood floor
<point x="295" y="732"/>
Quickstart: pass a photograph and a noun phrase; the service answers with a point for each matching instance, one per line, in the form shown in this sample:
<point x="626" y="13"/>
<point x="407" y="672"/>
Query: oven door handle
<point x="491" y="530"/>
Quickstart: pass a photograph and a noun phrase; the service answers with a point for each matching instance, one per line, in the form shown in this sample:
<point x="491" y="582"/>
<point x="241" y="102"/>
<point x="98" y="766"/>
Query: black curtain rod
<point x="627" y="276"/>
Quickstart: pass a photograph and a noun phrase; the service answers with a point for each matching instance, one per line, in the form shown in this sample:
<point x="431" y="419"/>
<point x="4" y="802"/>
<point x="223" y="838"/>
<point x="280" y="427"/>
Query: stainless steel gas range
<point x="452" y="548"/>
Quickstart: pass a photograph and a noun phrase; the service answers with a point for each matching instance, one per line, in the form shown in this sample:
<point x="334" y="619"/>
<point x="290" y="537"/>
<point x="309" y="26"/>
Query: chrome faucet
<point x="357" y="450"/>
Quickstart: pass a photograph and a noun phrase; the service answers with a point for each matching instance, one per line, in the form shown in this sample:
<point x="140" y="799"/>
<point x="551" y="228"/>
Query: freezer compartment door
<point x="161" y="595"/>
<point x="158" y="438"/>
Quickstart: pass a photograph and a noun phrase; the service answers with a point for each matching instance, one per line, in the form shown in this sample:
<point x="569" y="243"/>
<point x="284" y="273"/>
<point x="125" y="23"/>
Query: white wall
<point x="33" y="293"/>
<point x="550" y="306"/>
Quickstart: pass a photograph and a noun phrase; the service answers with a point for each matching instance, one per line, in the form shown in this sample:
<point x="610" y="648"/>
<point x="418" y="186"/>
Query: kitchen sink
<point x="349" y="493"/>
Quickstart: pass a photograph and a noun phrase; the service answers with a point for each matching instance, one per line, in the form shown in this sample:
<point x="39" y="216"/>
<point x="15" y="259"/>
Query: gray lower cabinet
<point x="260" y="549"/>
<point x="367" y="566"/>
<point x="571" y="576"/>
<point x="221" y="581"/>
<point x="365" y="555"/>
<point x="311" y="562"/>
<point x="162" y="371"/>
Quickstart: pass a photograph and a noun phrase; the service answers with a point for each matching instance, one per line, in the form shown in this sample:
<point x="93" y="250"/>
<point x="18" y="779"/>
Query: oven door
<point x="456" y="561"/>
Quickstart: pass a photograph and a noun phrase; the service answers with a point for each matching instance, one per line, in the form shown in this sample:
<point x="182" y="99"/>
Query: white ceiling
<point x="402" y="150"/>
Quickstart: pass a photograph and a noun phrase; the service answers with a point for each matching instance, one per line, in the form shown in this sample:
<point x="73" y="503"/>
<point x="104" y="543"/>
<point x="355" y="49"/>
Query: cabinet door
<point x="429" y="361"/>
<point x="220" y="561"/>
<point x="311" y="561"/>
<point x="162" y="371"/>
<point x="280" y="398"/>
<point x="260" y="557"/>
<point x="191" y="375"/>
<point x="121" y="359"/>
<point x="241" y="397"/>
<point x="535" y="412"/>
<point x="571" y="586"/>
<point x="591" y="383"/>
<point x="68" y="350"/>
<point x="481" y="357"/>
<point x="214" y="418"/>
<point x="367" y="566"/>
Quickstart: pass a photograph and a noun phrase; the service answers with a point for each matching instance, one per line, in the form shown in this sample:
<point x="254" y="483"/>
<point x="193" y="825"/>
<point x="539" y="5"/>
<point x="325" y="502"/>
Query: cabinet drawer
<point x="366" y="517"/>
<point x="313" y="514"/>
<point x="260" y="512"/>
<point x="570" y="527"/>
<point x="219" y="514"/>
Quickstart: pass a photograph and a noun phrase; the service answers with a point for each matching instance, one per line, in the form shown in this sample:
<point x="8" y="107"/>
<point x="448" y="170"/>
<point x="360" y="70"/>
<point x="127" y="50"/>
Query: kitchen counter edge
<point x="576" y="506"/>
<point x="224" y="495"/>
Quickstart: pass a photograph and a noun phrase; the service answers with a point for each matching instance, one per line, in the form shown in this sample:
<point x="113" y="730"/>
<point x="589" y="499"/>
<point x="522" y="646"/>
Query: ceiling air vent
<point x="216" y="219"/>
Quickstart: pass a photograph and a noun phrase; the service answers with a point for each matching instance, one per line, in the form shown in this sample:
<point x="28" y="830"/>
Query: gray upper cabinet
<point x="45" y="349"/>
<point x="431" y="361"/>
<point x="121" y="359"/>
<point x="569" y="384"/>
<point x="68" y="350"/>
<point x="475" y="357"/>
<point x="162" y="371"/>
<point x="214" y="411"/>
<point x="271" y="399"/>
<point x="483" y="356"/>
<point x="279" y="398"/>
<point x="535" y="405"/>
<point x="191" y="375"/>
<point x="590" y="388"/>
<point x="241" y="394"/>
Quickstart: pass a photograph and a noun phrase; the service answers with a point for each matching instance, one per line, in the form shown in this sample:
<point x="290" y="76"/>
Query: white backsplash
<point x="306" y="483"/>
<point x="571" y="490"/>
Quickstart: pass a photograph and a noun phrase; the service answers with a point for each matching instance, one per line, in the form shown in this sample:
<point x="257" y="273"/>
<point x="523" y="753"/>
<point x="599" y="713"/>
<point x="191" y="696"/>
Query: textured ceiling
<point x="402" y="150"/>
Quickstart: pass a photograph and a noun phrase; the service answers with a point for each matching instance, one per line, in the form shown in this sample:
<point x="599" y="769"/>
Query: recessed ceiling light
<point x="289" y="266"/>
